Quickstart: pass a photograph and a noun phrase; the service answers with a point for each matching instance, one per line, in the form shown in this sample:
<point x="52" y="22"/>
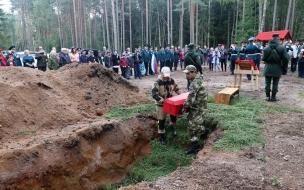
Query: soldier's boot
<point x="173" y="131"/>
<point x="194" y="148"/>
<point x="273" y="97"/>
<point x="267" y="96"/>
<point x="205" y="134"/>
<point x="162" y="139"/>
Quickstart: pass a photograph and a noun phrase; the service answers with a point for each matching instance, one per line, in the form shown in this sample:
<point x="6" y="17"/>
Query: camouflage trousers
<point x="195" y="126"/>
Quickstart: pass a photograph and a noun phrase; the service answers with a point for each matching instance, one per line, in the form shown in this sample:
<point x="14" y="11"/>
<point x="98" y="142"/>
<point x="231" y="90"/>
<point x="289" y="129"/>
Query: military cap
<point x="72" y="47"/>
<point x="161" y="47"/>
<point x="297" y="40"/>
<point x="219" y="44"/>
<point x="190" y="68"/>
<point x="91" y="51"/>
<point x="235" y="43"/>
<point x="12" y="47"/>
<point x="243" y="42"/>
<point x="251" y="39"/>
<point x="191" y="45"/>
<point x="168" y="45"/>
<point x="146" y="45"/>
<point x="83" y="50"/>
<point x="275" y="35"/>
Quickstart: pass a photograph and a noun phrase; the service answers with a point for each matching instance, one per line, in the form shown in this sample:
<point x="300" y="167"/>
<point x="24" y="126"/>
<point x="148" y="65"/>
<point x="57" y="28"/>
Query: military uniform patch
<point x="191" y="88"/>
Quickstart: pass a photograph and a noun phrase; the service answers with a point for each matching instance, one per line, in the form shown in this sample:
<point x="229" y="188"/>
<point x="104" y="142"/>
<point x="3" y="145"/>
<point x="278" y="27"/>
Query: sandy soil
<point x="278" y="164"/>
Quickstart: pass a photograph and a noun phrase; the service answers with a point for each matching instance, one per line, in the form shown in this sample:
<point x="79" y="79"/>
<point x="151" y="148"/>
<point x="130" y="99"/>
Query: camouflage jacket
<point x="162" y="90"/>
<point x="198" y="95"/>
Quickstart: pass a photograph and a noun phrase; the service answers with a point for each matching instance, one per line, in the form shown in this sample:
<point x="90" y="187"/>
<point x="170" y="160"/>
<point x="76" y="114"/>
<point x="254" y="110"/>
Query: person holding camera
<point x="233" y="56"/>
<point x="242" y="51"/>
<point x="41" y="60"/>
<point x="137" y="61"/>
<point x="223" y="56"/>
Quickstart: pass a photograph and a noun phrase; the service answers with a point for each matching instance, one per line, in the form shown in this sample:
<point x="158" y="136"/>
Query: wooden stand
<point x="246" y="67"/>
<point x="223" y="97"/>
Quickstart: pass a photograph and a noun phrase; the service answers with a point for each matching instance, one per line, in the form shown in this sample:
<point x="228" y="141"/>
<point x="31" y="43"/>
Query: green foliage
<point x="124" y="112"/>
<point x="241" y="121"/>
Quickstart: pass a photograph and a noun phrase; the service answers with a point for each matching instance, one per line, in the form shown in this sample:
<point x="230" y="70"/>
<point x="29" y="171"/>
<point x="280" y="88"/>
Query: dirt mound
<point x="53" y="130"/>
<point x="32" y="101"/>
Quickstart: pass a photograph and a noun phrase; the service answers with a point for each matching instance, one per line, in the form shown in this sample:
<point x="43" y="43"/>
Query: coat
<point x="53" y="63"/>
<point x="41" y="60"/>
<point x="273" y="62"/>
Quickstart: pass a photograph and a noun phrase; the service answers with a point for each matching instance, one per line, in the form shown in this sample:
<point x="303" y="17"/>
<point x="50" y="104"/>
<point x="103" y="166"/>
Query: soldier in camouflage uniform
<point x="196" y="105"/>
<point x="162" y="89"/>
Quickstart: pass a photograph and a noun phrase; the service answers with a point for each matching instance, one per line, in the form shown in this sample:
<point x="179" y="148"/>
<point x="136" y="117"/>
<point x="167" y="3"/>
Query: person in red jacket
<point x="124" y="66"/>
<point x="10" y="61"/>
<point x="182" y="54"/>
<point x="3" y="61"/>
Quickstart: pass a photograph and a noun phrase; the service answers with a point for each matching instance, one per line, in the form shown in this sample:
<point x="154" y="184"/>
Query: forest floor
<point x="277" y="164"/>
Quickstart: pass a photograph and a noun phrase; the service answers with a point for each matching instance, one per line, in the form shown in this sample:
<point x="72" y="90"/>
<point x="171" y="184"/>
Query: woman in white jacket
<point x="215" y="59"/>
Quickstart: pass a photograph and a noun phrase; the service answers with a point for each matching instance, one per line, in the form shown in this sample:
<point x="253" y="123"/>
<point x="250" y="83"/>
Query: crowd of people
<point x="170" y="56"/>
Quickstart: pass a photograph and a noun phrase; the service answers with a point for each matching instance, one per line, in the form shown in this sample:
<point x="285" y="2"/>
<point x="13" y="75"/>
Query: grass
<point x="124" y="112"/>
<point x="25" y="132"/>
<point x="301" y="96"/>
<point x="241" y="122"/>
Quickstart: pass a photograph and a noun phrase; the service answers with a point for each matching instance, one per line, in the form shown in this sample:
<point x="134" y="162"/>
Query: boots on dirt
<point x="194" y="148"/>
<point x="205" y="134"/>
<point x="162" y="139"/>
<point x="273" y="97"/>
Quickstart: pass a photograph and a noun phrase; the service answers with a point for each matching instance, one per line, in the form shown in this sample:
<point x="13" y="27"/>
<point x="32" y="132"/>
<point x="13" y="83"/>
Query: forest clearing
<point x="77" y="147"/>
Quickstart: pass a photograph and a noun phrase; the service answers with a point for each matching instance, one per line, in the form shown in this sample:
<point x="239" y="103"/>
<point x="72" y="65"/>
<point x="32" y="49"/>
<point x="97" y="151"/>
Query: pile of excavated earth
<point x="54" y="133"/>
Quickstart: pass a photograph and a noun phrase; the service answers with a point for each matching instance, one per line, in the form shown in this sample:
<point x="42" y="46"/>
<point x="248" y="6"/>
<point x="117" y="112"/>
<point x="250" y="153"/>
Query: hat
<point x="190" y="68"/>
<point x="41" y="51"/>
<point x="9" y="56"/>
<point x="235" y="43"/>
<point x="64" y="49"/>
<point x="83" y="50"/>
<point x="219" y="44"/>
<point x="12" y="47"/>
<point x="275" y="35"/>
<point x="168" y="45"/>
<point x="91" y="51"/>
<point x="243" y="42"/>
<point x="223" y="44"/>
<point x="161" y="47"/>
<point x="166" y="71"/>
<point x="251" y="39"/>
<point x="191" y="45"/>
<point x="78" y="49"/>
<point x="297" y="40"/>
<point x="72" y="47"/>
<point x="146" y="45"/>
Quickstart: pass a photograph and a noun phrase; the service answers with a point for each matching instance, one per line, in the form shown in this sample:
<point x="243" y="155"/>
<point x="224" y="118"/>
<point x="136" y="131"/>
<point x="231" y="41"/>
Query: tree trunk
<point x="243" y="18"/>
<point x="130" y="18"/>
<point x="228" y="28"/>
<point x="114" y="25"/>
<point x="236" y="19"/>
<point x="123" y="24"/>
<point x="264" y="16"/>
<point x="75" y="24"/>
<point x="89" y="22"/>
<point x="288" y="15"/>
<point x="59" y="23"/>
<point x="191" y="21"/>
<point x="107" y="25"/>
<point x="209" y="19"/>
<point x="117" y="28"/>
<point x="260" y="14"/>
<point x="168" y="20"/>
<point x="159" y="33"/>
<point x="103" y="29"/>
<point x="142" y="28"/>
<point x="292" y="16"/>
<point x="171" y="24"/>
<point x="147" y="21"/>
<point x="85" y="27"/>
<point x="274" y="14"/>
<point x="196" y="23"/>
<point x="182" y="26"/>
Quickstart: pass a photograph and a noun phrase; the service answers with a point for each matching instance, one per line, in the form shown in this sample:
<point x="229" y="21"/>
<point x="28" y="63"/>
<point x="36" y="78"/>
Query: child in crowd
<point x="216" y="59"/>
<point x="209" y="59"/>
